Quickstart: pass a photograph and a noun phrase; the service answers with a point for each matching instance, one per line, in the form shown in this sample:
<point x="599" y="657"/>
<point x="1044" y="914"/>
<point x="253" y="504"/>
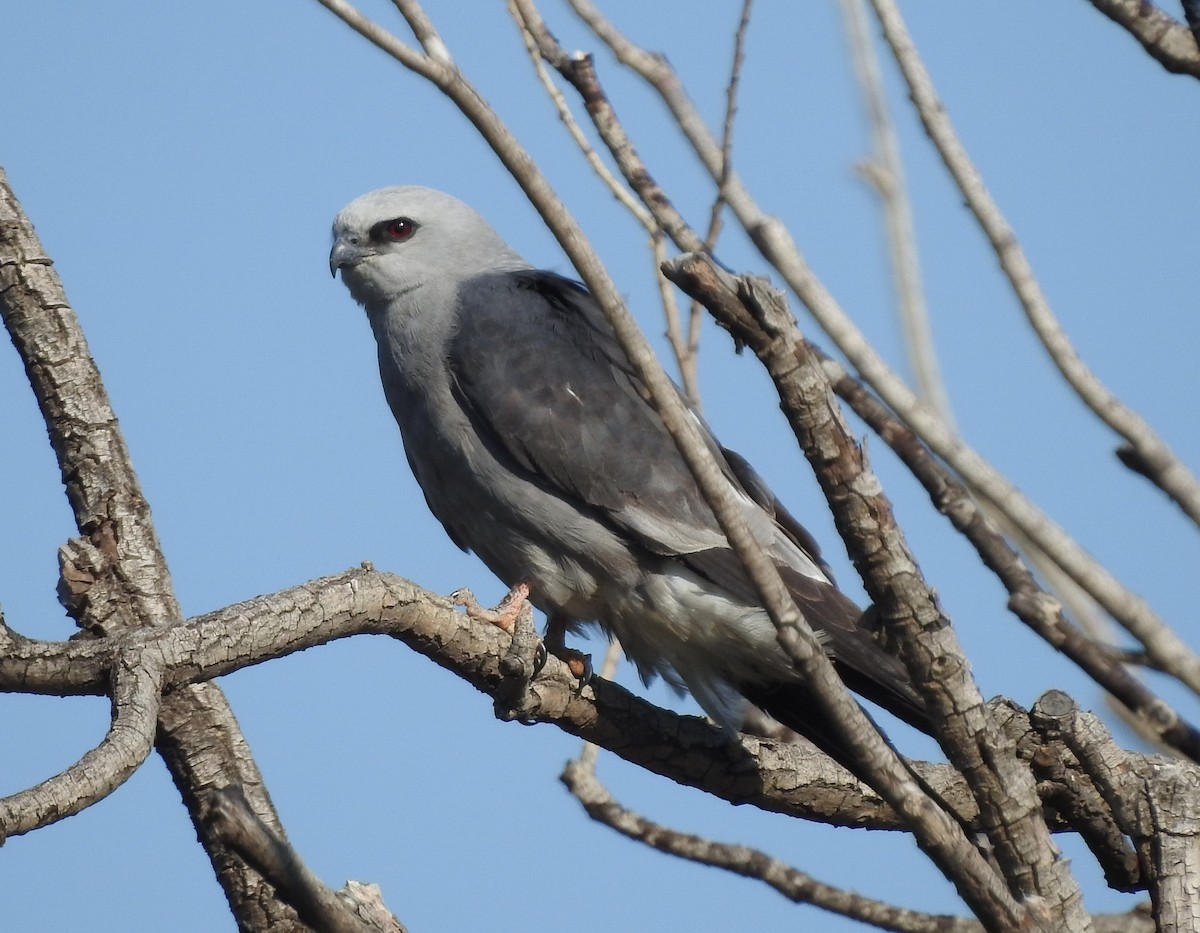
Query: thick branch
<point x="1001" y="784"/>
<point x="784" y="778"/>
<point x="136" y="693"/>
<point x="1156" y="802"/>
<point x="1172" y="45"/>
<point x="198" y="735"/>
<point x="275" y="859"/>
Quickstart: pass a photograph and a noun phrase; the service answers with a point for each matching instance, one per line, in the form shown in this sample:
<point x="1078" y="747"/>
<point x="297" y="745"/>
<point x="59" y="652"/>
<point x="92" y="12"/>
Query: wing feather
<point x="539" y="373"/>
<point x="543" y="380"/>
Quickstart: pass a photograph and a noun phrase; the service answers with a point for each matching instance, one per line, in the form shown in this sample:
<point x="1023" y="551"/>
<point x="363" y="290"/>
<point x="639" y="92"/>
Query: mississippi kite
<point x="536" y="448"/>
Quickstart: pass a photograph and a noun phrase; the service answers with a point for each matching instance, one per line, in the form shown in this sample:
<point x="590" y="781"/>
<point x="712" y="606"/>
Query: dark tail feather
<point x="796" y="707"/>
<point x="870" y="672"/>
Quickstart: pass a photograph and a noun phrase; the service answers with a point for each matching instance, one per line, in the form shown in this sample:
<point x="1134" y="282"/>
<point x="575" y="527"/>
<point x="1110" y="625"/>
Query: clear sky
<point x="182" y="163"/>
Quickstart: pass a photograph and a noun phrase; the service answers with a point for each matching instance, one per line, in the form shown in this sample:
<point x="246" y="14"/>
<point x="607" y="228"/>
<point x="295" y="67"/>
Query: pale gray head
<point x="394" y="240"/>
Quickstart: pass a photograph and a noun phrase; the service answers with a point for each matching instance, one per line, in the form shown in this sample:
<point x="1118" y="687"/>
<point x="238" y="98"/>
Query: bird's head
<point x="394" y="240"/>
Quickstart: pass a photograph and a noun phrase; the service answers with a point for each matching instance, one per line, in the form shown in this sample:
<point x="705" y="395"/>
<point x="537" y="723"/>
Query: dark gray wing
<point x="545" y="384"/>
<point x="758" y="490"/>
<point x="540" y="374"/>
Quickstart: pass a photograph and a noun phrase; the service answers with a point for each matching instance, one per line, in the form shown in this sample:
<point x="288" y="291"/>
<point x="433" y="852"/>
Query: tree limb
<point x="273" y="857"/>
<point x="774" y="242"/>
<point x="1170" y="44"/>
<point x="791" y="779"/>
<point x="198" y="736"/>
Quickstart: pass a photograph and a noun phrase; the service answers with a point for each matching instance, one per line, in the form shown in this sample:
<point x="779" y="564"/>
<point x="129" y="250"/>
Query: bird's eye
<point x="399" y="229"/>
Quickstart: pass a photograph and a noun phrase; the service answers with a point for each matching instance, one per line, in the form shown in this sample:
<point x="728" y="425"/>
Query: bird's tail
<point x="796" y="707"/>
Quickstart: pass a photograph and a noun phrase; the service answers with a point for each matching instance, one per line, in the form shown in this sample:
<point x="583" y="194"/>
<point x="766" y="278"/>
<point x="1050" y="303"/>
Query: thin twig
<point x="731" y="91"/>
<point x="696" y="310"/>
<point x="1156" y="460"/>
<point x="540" y="44"/>
<point x="534" y="32"/>
<point x="776" y="245"/>
<point x="884" y="171"/>
<point x="580" y="778"/>
<point x="619" y="191"/>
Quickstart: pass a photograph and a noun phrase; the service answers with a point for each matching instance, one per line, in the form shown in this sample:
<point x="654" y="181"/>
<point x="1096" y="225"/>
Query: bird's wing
<point x="757" y="489"/>
<point x="544" y="382"/>
<point x="544" y="378"/>
<point x="538" y="371"/>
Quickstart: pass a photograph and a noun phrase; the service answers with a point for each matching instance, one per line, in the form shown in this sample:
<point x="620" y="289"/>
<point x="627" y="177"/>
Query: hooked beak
<point x="345" y="253"/>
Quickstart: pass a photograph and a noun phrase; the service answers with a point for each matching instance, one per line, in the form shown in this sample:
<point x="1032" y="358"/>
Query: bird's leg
<point x="504" y="616"/>
<point x="525" y="655"/>
<point x="520" y="665"/>
<point x="579" y="664"/>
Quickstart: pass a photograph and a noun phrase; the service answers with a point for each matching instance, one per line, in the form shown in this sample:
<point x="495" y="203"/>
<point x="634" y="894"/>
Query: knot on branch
<point x="89" y="584"/>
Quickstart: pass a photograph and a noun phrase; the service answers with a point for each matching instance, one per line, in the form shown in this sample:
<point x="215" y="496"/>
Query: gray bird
<point x="536" y="448"/>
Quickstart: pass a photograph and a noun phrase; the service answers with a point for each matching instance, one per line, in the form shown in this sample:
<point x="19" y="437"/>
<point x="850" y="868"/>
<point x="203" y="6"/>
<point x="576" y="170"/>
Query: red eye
<point x="400" y="229"/>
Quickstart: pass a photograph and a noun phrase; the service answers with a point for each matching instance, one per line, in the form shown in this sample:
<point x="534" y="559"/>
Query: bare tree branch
<point x="1166" y="470"/>
<point x="790" y="779"/>
<point x="1001" y="785"/>
<point x="1157" y="805"/>
<point x="661" y="216"/>
<point x="1036" y="608"/>
<point x="777" y="247"/>
<point x="580" y="779"/>
<point x="731" y="91"/>
<point x="1158" y="462"/>
<point x="274" y="858"/>
<point x="884" y="171"/>
<point x="120" y="578"/>
<point x="1173" y="46"/>
<point x="136" y="693"/>
<point x="683" y="347"/>
<point x="695" y="314"/>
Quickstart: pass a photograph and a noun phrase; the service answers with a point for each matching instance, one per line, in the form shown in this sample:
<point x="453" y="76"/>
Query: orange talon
<point x="578" y="663"/>
<point x="504" y="616"/>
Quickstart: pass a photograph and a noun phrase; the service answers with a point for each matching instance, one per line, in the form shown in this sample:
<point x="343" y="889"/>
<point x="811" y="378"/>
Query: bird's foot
<point x="521" y="663"/>
<point x="578" y="663"/>
<point x="504" y="616"/>
<point x="555" y="642"/>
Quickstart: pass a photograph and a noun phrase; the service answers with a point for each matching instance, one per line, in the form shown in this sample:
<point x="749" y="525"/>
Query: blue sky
<point x="182" y="164"/>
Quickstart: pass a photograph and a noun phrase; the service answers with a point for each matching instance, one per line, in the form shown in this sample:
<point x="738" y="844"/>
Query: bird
<point x="537" y="448"/>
